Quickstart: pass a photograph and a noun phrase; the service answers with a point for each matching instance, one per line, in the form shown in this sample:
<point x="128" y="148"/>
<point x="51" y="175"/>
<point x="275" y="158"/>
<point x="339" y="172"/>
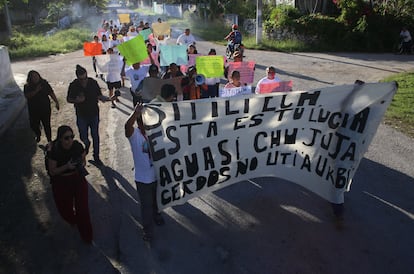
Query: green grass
<point x="29" y="41"/>
<point x="400" y="113"/>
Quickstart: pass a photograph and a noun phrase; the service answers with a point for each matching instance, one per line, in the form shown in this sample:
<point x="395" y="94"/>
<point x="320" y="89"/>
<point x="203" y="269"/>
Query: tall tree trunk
<point x="8" y="20"/>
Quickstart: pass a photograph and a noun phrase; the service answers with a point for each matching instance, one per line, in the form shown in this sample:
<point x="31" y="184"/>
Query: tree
<point x="7" y="20"/>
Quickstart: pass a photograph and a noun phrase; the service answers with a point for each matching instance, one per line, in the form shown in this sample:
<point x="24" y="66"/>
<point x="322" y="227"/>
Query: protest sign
<point x="210" y="66"/>
<point x="162" y="28"/>
<point x="228" y="92"/>
<point x="145" y="33"/>
<point x="191" y="62"/>
<point x="173" y="54"/>
<point x="92" y="49"/>
<point x="108" y="63"/>
<point x="276" y="87"/>
<point x="124" y="18"/>
<point x="314" y="138"/>
<point x="133" y="50"/>
<point x="246" y="70"/>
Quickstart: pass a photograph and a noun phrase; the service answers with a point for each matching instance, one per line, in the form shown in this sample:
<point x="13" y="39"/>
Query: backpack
<point x="237" y="37"/>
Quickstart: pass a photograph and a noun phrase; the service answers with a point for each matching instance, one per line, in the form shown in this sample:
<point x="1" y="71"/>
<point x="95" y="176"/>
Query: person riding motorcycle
<point x="235" y="40"/>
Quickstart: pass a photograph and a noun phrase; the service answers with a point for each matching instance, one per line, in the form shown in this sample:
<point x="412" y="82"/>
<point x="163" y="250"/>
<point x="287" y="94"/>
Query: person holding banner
<point x="193" y="84"/>
<point x="212" y="83"/>
<point x="235" y="80"/>
<point x="114" y="42"/>
<point x="145" y="178"/>
<point x="168" y="94"/>
<point x="173" y="71"/>
<point x="105" y="43"/>
<point x="270" y="78"/>
<point x="95" y="40"/>
<point x="135" y="73"/>
<point x="113" y="77"/>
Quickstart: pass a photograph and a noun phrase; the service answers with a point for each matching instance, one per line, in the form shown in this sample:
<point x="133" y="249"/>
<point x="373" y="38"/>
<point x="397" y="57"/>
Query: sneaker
<point x="113" y="105"/>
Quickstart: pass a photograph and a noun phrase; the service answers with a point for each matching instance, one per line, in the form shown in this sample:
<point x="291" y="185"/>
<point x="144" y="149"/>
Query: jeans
<point x="84" y="123"/>
<point x="149" y="208"/>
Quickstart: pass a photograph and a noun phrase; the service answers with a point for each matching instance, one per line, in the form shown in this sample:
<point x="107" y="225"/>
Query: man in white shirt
<point x="186" y="38"/>
<point x="145" y="178"/>
<point x="270" y="78"/>
<point x="136" y="73"/>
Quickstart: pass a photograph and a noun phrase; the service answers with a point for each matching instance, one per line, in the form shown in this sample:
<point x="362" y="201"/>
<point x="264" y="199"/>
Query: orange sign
<point x="92" y="49"/>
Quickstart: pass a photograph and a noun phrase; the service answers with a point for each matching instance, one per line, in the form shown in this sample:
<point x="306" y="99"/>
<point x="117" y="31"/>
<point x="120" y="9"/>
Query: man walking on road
<point x="84" y="92"/>
<point x="145" y="179"/>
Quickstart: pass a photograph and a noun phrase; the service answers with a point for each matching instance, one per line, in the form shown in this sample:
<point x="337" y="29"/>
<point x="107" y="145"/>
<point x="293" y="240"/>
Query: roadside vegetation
<point x="400" y="113"/>
<point x="29" y="41"/>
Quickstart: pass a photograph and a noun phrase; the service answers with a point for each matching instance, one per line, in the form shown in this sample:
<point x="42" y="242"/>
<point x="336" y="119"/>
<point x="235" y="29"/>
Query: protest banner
<point x="152" y="86"/>
<point x="314" y="138"/>
<point x="162" y="28"/>
<point x="246" y="70"/>
<point x="124" y="18"/>
<point x="210" y="66"/>
<point x="228" y="92"/>
<point x="92" y="49"/>
<point x="133" y="50"/>
<point x="276" y="87"/>
<point x="191" y="62"/>
<point x="173" y="54"/>
<point x="108" y="63"/>
<point x="145" y="33"/>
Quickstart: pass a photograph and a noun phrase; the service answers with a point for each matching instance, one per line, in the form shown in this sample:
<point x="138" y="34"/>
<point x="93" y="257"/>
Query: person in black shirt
<point x="37" y="91"/>
<point x="66" y="161"/>
<point x="84" y="92"/>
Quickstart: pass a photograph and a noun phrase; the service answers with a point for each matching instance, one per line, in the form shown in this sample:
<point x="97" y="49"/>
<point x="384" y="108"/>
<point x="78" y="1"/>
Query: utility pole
<point x="259" y="21"/>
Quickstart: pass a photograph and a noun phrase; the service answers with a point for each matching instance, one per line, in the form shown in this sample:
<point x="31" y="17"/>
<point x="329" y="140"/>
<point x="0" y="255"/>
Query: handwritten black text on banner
<point x="315" y="139"/>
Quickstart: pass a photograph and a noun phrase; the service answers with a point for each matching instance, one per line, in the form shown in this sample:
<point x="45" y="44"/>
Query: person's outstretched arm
<point x="129" y="125"/>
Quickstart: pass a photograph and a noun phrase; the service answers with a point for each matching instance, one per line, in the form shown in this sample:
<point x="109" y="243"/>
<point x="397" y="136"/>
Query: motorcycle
<point x="231" y="48"/>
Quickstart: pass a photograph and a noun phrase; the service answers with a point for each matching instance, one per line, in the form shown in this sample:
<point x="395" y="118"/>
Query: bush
<point x="22" y="45"/>
<point x="282" y="16"/>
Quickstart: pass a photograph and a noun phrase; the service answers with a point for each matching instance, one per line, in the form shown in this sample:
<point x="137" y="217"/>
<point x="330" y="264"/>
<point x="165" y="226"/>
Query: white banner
<point x="315" y="139"/>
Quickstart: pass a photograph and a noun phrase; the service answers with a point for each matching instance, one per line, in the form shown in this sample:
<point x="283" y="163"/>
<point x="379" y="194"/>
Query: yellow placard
<point x="124" y="18"/>
<point x="162" y="28"/>
<point x="210" y="66"/>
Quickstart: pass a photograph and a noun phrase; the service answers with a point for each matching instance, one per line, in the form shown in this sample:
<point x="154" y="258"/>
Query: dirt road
<point x="262" y="226"/>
